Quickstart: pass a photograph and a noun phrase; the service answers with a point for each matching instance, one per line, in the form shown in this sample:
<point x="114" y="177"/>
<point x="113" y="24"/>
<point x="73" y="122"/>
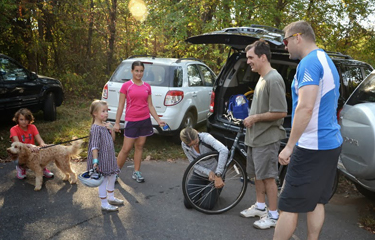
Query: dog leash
<point x="63" y="142"/>
<point x="68" y="141"/>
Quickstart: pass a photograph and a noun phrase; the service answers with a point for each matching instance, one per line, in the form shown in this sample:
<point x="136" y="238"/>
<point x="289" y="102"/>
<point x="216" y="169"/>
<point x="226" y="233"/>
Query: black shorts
<point x="138" y="129"/>
<point x="309" y="179"/>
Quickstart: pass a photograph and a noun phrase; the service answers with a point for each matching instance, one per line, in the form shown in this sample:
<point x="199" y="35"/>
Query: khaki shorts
<point x="262" y="162"/>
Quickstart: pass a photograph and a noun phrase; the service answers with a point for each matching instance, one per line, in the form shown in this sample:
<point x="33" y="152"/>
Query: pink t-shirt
<point x="136" y="100"/>
<point x="24" y="136"/>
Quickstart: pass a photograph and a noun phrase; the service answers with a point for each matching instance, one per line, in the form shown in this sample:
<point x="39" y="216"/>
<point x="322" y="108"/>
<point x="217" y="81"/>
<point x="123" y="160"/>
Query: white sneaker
<point x="253" y="211"/>
<point x="265" y="222"/>
<point x="116" y="201"/>
<point x="21" y="172"/>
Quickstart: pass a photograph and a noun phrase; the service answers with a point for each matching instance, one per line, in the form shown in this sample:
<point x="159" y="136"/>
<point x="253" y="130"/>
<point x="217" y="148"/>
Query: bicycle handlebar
<point x="234" y="120"/>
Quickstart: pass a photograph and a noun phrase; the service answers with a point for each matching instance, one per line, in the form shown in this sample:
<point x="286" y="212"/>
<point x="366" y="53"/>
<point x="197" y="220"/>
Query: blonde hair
<point x="188" y="135"/>
<point x="95" y="105"/>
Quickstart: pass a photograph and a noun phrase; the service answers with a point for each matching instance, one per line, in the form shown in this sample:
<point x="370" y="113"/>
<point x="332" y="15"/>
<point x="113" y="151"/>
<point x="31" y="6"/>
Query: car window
<point x="178" y="77"/>
<point x="154" y="74"/>
<point x="351" y="78"/>
<point x="207" y="75"/>
<point x="367" y="70"/>
<point x="193" y="76"/>
<point x="12" y="72"/>
<point x="365" y="92"/>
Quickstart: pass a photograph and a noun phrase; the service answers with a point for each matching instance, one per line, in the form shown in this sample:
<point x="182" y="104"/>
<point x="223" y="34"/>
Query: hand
<point x="161" y="123"/>
<point x="284" y="156"/>
<point x="96" y="167"/>
<point x="219" y="182"/>
<point x="116" y="127"/>
<point x="249" y="121"/>
<point x="211" y="176"/>
<point x="109" y="125"/>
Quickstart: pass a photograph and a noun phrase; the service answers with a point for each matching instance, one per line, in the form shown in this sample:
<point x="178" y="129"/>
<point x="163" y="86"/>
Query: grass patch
<point x="73" y="119"/>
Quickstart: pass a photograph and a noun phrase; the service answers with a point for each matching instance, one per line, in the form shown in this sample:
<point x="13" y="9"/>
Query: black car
<point x="236" y="76"/>
<point x="20" y="88"/>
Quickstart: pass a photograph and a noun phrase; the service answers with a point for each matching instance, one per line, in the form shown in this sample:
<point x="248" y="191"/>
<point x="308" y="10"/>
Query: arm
<point x="199" y="168"/>
<point x="153" y="111"/>
<point x="302" y="117"/>
<point x="95" y="156"/>
<point x="111" y="130"/>
<point x="263" y="117"/>
<point x="40" y="141"/>
<point x="120" y="109"/>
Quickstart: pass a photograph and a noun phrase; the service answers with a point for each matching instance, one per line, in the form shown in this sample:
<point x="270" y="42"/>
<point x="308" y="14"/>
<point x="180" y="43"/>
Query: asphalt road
<point x="152" y="210"/>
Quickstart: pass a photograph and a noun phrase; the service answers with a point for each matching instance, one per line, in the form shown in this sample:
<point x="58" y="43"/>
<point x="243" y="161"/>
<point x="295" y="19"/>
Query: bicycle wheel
<point x="202" y="195"/>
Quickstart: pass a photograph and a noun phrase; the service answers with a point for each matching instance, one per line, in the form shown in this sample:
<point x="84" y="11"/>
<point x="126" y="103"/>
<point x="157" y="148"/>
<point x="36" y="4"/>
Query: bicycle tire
<point x="229" y="196"/>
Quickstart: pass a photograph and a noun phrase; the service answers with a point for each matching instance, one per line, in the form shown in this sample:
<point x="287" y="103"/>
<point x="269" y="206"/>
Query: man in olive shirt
<point x="263" y="134"/>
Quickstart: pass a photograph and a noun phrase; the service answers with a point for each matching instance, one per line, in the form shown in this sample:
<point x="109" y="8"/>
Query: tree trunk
<point x="112" y="35"/>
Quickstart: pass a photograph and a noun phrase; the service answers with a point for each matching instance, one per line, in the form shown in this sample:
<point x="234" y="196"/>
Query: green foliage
<point x="71" y="40"/>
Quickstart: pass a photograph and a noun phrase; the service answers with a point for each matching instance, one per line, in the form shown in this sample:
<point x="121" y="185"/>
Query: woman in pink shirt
<point x="137" y="95"/>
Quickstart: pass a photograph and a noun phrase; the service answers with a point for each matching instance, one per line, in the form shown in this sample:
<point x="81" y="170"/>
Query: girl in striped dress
<point x="101" y="154"/>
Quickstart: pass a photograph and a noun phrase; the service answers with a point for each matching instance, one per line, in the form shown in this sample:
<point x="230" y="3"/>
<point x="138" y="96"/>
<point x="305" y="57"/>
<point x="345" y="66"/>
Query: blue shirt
<point x="323" y="131"/>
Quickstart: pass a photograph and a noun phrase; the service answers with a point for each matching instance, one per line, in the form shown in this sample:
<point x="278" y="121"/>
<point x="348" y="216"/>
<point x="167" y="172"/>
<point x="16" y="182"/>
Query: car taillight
<point x="105" y="92"/>
<point x="173" y="97"/>
<point x="212" y="103"/>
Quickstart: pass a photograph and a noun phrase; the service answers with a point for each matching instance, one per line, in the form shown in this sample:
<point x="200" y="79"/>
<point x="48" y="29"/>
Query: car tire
<point x="365" y="192"/>
<point x="188" y="121"/>
<point x="49" y="107"/>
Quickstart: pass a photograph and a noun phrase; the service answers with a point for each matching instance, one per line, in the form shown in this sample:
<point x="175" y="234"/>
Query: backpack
<point x="239" y="106"/>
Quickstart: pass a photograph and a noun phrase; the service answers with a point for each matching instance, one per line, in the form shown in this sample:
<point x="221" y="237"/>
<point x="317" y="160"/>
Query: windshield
<point x="154" y="74"/>
<point x="365" y="92"/>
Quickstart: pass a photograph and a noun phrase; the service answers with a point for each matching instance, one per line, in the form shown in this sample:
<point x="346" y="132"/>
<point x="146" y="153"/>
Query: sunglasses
<point x="285" y="40"/>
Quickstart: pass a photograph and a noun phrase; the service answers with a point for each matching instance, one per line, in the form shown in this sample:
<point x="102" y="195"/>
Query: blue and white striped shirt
<point x="323" y="131"/>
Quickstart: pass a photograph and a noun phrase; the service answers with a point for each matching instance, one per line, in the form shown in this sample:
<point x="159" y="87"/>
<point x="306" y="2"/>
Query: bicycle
<point x="197" y="194"/>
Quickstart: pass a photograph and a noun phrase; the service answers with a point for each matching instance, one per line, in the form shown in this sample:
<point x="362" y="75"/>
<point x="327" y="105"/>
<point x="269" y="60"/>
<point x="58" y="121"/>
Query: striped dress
<point x="101" y="139"/>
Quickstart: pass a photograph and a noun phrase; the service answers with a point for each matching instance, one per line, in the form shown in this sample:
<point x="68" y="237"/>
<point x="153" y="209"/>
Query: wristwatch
<point x="218" y="175"/>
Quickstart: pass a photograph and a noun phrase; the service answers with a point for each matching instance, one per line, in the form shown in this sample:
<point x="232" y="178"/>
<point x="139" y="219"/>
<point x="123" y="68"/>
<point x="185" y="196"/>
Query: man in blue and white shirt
<point x="315" y="141"/>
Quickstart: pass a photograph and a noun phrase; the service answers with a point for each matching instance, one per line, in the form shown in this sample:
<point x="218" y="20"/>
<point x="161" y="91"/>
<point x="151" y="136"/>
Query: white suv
<point x="181" y="90"/>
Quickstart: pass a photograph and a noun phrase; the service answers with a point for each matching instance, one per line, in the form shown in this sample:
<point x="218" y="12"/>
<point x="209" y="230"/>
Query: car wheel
<point x="49" y="108"/>
<point x="365" y="192"/>
<point x="188" y="121"/>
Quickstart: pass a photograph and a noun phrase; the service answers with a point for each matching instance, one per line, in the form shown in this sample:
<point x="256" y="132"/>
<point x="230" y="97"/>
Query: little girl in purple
<point x="101" y="154"/>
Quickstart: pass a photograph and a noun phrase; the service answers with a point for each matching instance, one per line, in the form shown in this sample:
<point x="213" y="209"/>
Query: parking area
<point x="152" y="210"/>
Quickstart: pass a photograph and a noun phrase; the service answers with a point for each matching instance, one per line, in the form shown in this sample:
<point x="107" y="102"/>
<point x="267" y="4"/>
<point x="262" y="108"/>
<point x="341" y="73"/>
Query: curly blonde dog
<point x="37" y="161"/>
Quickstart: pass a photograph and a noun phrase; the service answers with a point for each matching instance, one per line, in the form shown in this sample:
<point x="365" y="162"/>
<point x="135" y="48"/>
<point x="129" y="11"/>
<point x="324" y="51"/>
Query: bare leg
<point x="139" y="142"/>
<point x="123" y="154"/>
<point x="271" y="191"/>
<point x="315" y="220"/>
<point x="285" y="226"/>
<point x="260" y="190"/>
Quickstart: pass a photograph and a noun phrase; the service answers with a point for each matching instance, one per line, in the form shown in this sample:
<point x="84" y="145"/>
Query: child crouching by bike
<point x="194" y="144"/>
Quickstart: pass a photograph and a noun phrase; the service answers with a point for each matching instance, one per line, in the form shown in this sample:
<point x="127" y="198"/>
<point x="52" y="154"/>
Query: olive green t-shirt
<point x="269" y="96"/>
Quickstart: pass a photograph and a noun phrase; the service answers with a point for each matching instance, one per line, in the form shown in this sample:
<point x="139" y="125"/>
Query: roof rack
<point x="190" y="58"/>
<point x="142" y="55"/>
<point x="268" y="28"/>
<point x="338" y="54"/>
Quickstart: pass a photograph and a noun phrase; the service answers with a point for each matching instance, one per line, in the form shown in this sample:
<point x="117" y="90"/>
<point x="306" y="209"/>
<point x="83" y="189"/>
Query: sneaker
<point x="137" y="176"/>
<point x="253" y="211"/>
<point x="21" y="172"/>
<point x="116" y="201"/>
<point x="47" y="173"/>
<point x="265" y="222"/>
<point x="110" y="208"/>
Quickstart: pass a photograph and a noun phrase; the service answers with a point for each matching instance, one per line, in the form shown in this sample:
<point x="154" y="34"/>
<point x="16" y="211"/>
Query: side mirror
<point x="33" y="76"/>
